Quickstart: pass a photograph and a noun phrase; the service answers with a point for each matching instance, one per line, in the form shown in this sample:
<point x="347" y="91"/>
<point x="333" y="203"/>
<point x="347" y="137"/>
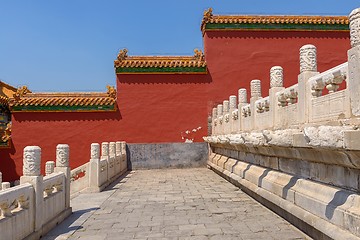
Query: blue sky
<point x="71" y="45"/>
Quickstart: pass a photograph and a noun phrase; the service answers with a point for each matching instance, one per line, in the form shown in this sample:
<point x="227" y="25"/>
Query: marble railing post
<point x="232" y="108"/>
<point x="118" y="157"/>
<point x="354" y="62"/>
<point x="308" y="68"/>
<point x="226" y="119"/>
<point x="105" y="155"/>
<point x="124" y="156"/>
<point x="111" y="160"/>
<point x="94" y="167"/>
<point x="242" y="102"/>
<point x="31" y="174"/>
<point x="62" y="165"/>
<point x="209" y="125"/>
<point x="220" y="119"/>
<point x="255" y="90"/>
<point x="5" y="185"/>
<point x="276" y="85"/>
<point x="225" y="107"/>
<point x="104" y="150"/>
<point x="49" y="167"/>
<point x="214" y="122"/>
<point x="0" y="180"/>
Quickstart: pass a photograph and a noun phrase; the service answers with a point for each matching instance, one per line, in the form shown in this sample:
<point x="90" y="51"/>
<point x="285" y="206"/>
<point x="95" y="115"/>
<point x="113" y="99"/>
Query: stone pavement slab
<point x="172" y="204"/>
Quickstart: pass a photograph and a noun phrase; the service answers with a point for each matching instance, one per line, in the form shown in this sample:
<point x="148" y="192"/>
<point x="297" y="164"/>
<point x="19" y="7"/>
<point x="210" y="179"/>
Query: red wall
<point x="234" y="58"/>
<point x="46" y="130"/>
<point x="162" y="107"/>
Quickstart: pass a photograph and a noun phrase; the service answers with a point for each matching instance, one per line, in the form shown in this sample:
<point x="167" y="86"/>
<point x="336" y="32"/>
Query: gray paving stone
<point x="172" y="204"/>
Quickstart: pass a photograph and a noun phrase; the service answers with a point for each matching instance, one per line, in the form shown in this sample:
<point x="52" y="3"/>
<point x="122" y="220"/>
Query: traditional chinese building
<point x="161" y="98"/>
<point x="165" y="93"/>
<point x="46" y="119"/>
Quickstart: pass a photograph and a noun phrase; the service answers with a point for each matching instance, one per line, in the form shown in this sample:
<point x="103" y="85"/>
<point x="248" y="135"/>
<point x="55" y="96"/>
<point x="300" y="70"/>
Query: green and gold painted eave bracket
<point x="161" y="70"/>
<point x="277" y="26"/>
<point x="94" y="108"/>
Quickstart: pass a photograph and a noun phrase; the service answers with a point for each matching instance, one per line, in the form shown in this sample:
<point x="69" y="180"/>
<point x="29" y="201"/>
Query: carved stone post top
<point x="242" y="95"/>
<point x="276" y="76"/>
<point x="219" y="110"/>
<point x="112" y="148"/>
<point x="49" y="167"/>
<point x="354" y="14"/>
<point x="308" y="58"/>
<point x="104" y="149"/>
<point x="31" y="161"/>
<point x="276" y="68"/>
<point x="118" y="148"/>
<point x="5" y="185"/>
<point x="255" y="88"/>
<point x="62" y="155"/>
<point x="95" y="151"/>
<point x="354" y="18"/>
<point x="225" y="106"/>
<point x="214" y="112"/>
<point x="232" y="102"/>
<point x="307" y="46"/>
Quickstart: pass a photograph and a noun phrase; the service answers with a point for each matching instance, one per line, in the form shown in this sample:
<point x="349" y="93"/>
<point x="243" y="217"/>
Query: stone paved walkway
<point x="172" y="204"/>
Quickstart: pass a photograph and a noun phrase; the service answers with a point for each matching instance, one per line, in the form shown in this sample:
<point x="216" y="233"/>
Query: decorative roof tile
<point x="249" y="22"/>
<point x="125" y="64"/>
<point x="4" y="101"/>
<point x="82" y="101"/>
<point x="6" y="91"/>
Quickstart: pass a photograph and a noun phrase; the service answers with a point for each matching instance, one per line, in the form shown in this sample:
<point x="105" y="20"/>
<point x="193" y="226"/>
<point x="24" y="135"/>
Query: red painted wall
<point x="162" y="107"/>
<point x="234" y="58"/>
<point x="46" y="130"/>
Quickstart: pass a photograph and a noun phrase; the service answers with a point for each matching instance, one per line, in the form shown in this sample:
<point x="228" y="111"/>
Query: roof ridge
<point x="239" y="22"/>
<point x="147" y="64"/>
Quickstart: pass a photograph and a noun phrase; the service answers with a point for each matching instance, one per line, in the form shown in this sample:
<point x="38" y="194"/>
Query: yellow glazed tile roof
<point x="28" y="99"/>
<point x="209" y="18"/>
<point x="4" y="100"/>
<point x="39" y="99"/>
<point x="124" y="61"/>
<point x="6" y="91"/>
